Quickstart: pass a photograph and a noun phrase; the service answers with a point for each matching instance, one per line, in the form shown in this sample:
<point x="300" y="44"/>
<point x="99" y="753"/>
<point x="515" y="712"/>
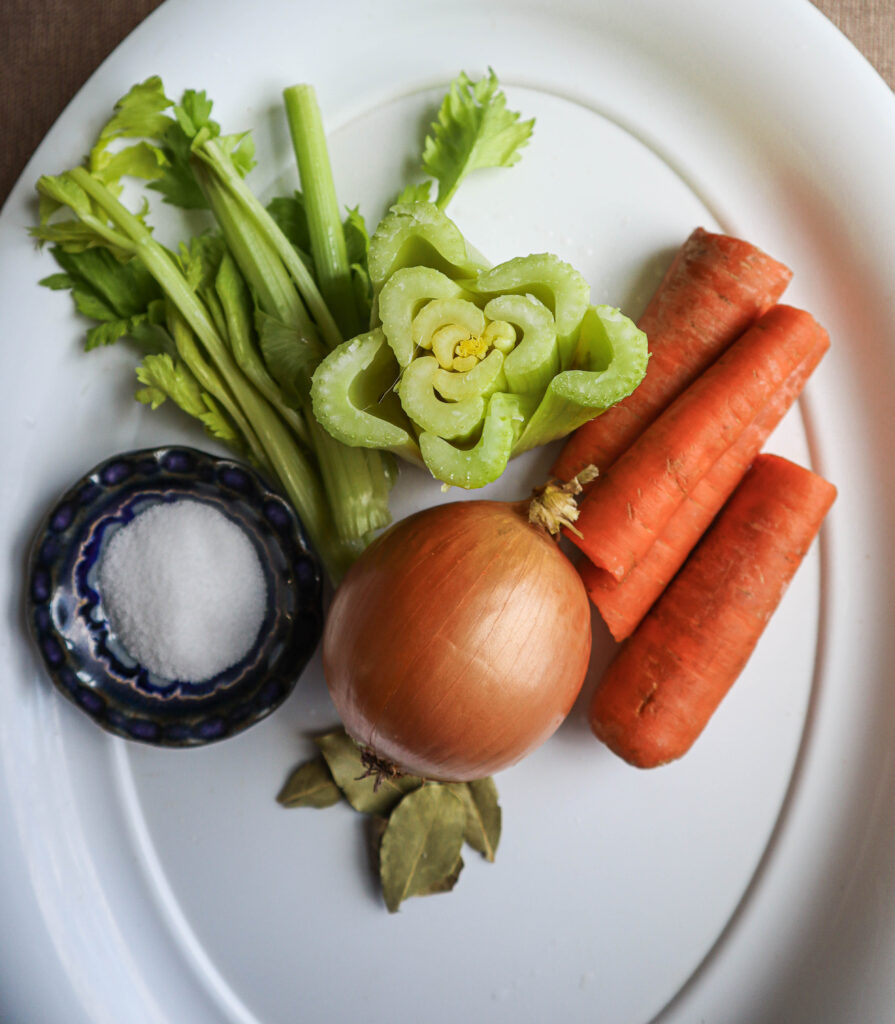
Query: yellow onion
<point x="458" y="641"/>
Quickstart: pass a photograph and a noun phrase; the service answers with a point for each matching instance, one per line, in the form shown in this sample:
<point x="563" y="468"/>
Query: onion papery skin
<point x="458" y="642"/>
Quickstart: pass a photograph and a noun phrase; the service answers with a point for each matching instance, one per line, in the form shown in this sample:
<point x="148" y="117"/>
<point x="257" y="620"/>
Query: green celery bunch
<point x="232" y="323"/>
<point x="470" y="365"/>
<point x="466" y="365"/>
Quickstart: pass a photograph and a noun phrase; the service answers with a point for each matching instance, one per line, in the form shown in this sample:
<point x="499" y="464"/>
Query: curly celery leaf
<point x="200" y="260"/>
<point x="290" y="215"/>
<point x="473" y="130"/>
<point x="122" y="296"/>
<point x="291" y="218"/>
<point x="193" y="125"/>
<point x="163" y="378"/>
<point x="419" y="192"/>
<point x="142" y="160"/>
<point x="162" y="157"/>
<point x="114" y="288"/>
<point x="357" y="244"/>
<point x="290" y="358"/>
<point x="139" y="114"/>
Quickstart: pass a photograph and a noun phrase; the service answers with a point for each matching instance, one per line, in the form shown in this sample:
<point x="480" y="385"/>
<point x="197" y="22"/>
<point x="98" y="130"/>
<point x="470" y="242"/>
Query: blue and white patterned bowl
<point x="85" y="659"/>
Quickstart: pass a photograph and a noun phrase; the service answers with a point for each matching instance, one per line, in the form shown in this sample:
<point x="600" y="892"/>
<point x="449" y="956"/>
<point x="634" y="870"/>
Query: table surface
<point x="41" y="69"/>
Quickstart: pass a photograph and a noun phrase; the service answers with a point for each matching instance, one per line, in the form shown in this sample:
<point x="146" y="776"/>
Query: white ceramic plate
<point x="752" y="881"/>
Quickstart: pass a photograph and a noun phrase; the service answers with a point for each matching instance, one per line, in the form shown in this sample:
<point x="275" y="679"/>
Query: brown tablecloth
<point x="48" y="48"/>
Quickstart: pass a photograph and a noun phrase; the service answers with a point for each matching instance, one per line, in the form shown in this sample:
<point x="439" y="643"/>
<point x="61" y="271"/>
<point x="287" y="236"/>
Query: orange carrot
<point x="622" y="604"/>
<point x="714" y="289"/>
<point x="667" y="681"/>
<point x="629" y="507"/>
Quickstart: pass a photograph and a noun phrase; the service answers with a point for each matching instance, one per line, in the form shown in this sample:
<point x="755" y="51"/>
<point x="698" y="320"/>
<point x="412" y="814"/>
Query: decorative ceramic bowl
<point x="86" y="660"/>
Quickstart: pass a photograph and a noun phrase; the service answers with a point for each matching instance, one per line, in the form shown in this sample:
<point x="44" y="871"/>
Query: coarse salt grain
<point x="183" y="588"/>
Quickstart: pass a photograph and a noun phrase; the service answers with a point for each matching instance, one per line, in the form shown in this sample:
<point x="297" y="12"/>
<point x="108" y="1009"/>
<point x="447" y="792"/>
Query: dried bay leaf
<point x="445" y="884"/>
<point x="420" y="849"/>
<point x="310" y="785"/>
<point x="375" y="832"/>
<point x="366" y="792"/>
<point x="483" y="819"/>
<point x="416" y="828"/>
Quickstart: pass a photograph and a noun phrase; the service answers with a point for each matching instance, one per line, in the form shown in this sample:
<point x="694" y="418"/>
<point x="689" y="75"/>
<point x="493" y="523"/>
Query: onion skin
<point x="458" y="641"/>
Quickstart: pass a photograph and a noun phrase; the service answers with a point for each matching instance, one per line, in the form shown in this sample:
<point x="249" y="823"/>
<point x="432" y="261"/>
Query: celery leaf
<point x="123" y="297"/>
<point x="289" y="357"/>
<point x="291" y="218"/>
<point x="124" y="289"/>
<point x="357" y="245"/>
<point x="200" y="260"/>
<point x="138" y="114"/>
<point x="357" y="238"/>
<point x="107" y="332"/>
<point x="473" y="130"/>
<point x="164" y="378"/>
<point x="142" y="160"/>
<point x="419" y="192"/>
<point x="192" y="124"/>
<point x="290" y="215"/>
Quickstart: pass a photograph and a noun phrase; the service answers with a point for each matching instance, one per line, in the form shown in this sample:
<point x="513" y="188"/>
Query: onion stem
<point x="554" y="506"/>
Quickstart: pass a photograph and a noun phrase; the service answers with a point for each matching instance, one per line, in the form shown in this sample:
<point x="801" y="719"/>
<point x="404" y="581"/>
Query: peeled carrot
<point x="630" y="506"/>
<point x="623" y="603"/>
<point x="714" y="289"/>
<point x="668" y="679"/>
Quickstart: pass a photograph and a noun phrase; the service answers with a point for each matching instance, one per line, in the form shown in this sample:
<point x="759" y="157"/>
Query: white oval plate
<point x="747" y="883"/>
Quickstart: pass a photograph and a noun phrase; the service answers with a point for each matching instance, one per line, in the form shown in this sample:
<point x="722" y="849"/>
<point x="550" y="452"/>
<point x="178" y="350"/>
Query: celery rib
<point x="212" y="153"/>
<point x="327" y="236"/>
<point x="297" y="475"/>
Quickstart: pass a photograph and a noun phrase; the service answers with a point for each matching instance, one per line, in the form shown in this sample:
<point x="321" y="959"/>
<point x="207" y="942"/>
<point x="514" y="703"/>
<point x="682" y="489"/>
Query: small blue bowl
<point x="85" y="659"/>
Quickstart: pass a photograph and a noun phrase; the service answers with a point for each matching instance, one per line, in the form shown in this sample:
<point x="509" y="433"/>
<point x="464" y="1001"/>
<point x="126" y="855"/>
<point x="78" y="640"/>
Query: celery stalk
<point x="297" y="475"/>
<point x="188" y="351"/>
<point x="215" y="158"/>
<point x="355" y="480"/>
<point x="255" y="255"/>
<point x="236" y="305"/>
<point x="327" y="237"/>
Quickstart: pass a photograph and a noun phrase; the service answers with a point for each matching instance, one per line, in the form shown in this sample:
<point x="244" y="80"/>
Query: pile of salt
<point x="183" y="588"/>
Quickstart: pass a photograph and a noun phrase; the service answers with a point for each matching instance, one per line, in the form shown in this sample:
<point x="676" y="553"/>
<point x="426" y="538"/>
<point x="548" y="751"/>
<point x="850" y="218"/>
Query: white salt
<point x="183" y="588"/>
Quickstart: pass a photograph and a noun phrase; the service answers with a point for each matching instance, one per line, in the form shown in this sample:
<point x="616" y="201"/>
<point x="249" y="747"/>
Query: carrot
<point x="622" y="604"/>
<point x="629" y="507"/>
<point x="667" y="681"/>
<point x="714" y="289"/>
